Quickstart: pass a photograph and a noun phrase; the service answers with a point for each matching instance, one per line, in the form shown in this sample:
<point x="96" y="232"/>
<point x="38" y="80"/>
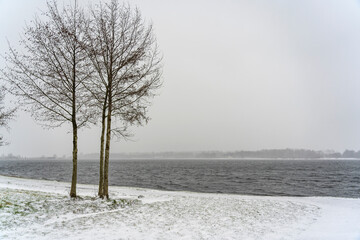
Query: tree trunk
<point x="74" y="173"/>
<point x="74" y="125"/>
<point x="101" y="178"/>
<point x="107" y="149"/>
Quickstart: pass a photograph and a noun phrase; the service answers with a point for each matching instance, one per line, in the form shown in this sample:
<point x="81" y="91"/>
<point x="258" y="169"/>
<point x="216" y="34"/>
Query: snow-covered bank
<point x="37" y="209"/>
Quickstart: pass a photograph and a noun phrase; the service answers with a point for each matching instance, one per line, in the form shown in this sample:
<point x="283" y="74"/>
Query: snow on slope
<point x="37" y="209"/>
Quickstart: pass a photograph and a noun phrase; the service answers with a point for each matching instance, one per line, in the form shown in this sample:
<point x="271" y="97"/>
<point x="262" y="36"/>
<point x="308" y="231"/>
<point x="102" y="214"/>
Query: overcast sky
<point x="238" y="75"/>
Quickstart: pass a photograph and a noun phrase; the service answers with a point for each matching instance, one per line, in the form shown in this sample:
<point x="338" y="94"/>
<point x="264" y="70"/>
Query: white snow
<point x="38" y="209"/>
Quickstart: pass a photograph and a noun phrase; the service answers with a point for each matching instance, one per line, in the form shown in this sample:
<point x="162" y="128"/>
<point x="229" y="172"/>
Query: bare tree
<point x="124" y="54"/>
<point x="48" y="75"/>
<point x="5" y="114"/>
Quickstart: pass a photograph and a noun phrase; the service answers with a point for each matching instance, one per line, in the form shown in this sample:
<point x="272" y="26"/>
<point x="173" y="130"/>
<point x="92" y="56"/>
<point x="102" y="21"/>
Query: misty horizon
<point x="286" y="154"/>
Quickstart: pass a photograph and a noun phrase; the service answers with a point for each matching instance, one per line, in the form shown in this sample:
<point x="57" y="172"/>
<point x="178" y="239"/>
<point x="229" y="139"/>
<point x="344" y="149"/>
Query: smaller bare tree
<point x="5" y="114"/>
<point x="48" y="76"/>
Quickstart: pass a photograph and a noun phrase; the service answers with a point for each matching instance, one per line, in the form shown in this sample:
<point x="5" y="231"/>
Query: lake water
<point x="337" y="178"/>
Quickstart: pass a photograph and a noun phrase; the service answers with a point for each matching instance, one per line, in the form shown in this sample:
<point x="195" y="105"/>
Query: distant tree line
<point x="268" y="153"/>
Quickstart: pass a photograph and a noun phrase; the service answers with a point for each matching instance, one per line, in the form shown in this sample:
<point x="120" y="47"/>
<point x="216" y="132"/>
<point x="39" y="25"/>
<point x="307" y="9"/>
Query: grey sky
<point x="237" y="75"/>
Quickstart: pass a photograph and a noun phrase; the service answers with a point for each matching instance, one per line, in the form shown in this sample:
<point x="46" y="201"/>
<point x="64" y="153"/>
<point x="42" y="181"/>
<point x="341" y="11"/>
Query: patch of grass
<point x="4" y="204"/>
<point x="24" y="203"/>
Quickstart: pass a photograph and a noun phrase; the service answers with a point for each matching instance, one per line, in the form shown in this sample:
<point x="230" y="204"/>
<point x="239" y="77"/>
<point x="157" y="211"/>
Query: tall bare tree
<point x="48" y="74"/>
<point x="123" y="51"/>
<point x="5" y="114"/>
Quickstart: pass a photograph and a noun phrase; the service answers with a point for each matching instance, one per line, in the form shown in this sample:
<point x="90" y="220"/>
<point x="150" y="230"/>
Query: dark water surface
<point x="338" y="178"/>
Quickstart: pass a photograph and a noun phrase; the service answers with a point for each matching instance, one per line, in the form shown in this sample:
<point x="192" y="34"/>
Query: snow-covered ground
<point x="37" y="209"/>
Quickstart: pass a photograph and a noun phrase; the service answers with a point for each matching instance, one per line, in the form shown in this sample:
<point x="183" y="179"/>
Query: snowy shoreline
<point x="40" y="209"/>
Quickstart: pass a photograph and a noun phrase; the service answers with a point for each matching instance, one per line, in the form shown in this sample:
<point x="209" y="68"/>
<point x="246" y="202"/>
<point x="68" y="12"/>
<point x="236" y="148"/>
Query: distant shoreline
<point x="265" y="154"/>
<point x="179" y="158"/>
